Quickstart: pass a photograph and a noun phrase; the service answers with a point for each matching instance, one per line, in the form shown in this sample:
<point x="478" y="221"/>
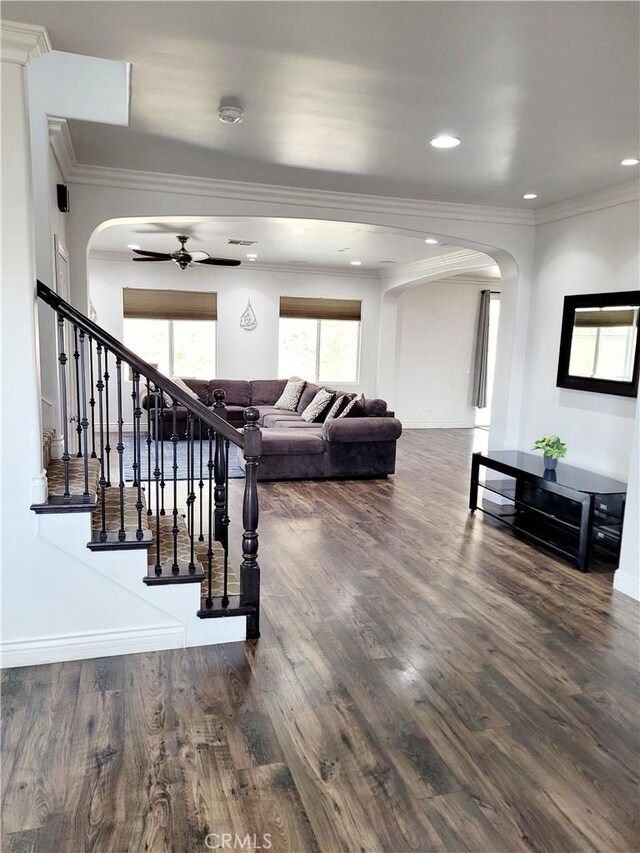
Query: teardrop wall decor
<point x="248" y="319"/>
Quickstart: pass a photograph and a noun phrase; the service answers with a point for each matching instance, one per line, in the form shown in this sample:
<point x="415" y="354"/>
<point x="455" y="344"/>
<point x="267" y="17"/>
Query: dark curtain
<point x="481" y="360"/>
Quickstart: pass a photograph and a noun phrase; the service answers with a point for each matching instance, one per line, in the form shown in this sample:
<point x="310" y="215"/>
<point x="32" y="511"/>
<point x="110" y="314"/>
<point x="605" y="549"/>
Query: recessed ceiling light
<point x="431" y="242"/>
<point x="297" y="230"/>
<point x="629" y="161"/>
<point x="252" y="256"/>
<point x="132" y="246"/>
<point x="444" y="141"/>
<point x="529" y="196"/>
<point x="230" y="114"/>
<point x="356" y="263"/>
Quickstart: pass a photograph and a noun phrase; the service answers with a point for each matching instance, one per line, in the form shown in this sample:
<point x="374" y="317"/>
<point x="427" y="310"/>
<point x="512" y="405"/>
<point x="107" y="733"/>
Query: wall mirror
<point x="600" y="343"/>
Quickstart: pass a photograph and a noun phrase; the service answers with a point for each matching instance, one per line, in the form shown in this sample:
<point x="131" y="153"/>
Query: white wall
<point x="436" y="342"/>
<point x="591" y="253"/>
<point x="241" y="354"/>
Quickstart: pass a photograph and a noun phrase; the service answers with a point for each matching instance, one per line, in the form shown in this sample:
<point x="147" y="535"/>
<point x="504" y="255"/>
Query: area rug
<point x="235" y="471"/>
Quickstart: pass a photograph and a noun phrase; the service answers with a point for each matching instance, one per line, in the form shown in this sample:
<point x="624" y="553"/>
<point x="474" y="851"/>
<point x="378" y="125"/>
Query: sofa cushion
<point x="345" y="430"/>
<point x="271" y="410"/>
<point x="292" y="441"/>
<point x="200" y="388"/>
<point x="237" y="391"/>
<point x="290" y="396"/>
<point x="235" y="414"/>
<point x="307" y="396"/>
<point x="269" y="419"/>
<point x="375" y="408"/>
<point x="292" y="423"/>
<point x="265" y="392"/>
<point x="317" y="408"/>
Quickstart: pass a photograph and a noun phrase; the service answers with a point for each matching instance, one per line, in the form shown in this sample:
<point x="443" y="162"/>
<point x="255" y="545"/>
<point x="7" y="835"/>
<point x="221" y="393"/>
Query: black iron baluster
<point x="191" y="500"/>
<point x="162" y="480"/>
<point x="220" y="489"/>
<point x="103" y="481"/>
<point x="156" y="474"/>
<point x="62" y="360"/>
<point x="84" y="421"/>
<point x="122" y="534"/>
<point x="175" y="568"/>
<point x="107" y="447"/>
<point x="149" y="404"/>
<point x="249" y="569"/>
<point x="76" y="357"/>
<point x="209" y="600"/>
<point x="137" y="414"/>
<point x="92" y="401"/>
<point x="201" y="483"/>
<point x="225" y="525"/>
<point x="135" y="465"/>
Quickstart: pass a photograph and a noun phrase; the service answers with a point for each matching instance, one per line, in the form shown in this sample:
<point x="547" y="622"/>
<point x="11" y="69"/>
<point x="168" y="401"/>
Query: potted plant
<point x="553" y="448"/>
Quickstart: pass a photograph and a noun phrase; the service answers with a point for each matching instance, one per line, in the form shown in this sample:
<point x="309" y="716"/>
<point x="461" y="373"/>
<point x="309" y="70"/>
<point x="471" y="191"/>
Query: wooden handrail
<point x="139" y="365"/>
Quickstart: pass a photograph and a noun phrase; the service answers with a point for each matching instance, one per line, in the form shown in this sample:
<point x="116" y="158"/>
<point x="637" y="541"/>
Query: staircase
<point x="176" y="512"/>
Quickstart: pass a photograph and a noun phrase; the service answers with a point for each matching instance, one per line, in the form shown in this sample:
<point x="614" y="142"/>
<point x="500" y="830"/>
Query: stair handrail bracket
<point x="135" y="438"/>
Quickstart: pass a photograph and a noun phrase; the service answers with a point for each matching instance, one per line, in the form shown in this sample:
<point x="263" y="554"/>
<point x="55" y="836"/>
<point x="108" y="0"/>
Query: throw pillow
<point x="317" y="406"/>
<point x="354" y="408"/>
<point x="291" y="395"/>
<point x="340" y="403"/>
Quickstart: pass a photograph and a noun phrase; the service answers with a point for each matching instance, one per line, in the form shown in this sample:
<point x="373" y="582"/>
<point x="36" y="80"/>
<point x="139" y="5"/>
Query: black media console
<point x="575" y="513"/>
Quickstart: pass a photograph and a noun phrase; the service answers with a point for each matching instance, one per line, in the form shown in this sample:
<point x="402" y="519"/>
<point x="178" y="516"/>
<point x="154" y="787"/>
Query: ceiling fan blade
<point x="151" y="260"/>
<point x="160" y="255"/>
<point x="199" y="256"/>
<point x="219" y="262"/>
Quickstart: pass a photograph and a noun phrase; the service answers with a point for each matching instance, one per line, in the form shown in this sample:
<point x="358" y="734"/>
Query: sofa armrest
<point x="350" y="430"/>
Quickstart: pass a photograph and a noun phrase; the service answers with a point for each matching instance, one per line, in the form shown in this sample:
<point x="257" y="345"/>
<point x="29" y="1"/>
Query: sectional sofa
<point x="363" y="446"/>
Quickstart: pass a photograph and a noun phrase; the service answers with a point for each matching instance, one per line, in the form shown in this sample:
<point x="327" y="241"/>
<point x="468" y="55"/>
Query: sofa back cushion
<point x="201" y="388"/>
<point x="310" y="391"/>
<point x="265" y="392"/>
<point x="238" y="391"/>
<point x="375" y="408"/>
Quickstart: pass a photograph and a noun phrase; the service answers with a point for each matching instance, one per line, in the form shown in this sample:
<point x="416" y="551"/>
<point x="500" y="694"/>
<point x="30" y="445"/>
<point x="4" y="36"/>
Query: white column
<point x="627" y="578"/>
<point x="23" y="478"/>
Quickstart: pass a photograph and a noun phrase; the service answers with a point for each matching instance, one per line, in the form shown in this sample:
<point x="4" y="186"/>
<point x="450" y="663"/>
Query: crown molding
<point x="599" y="200"/>
<point x="62" y="146"/>
<point x="439" y="266"/>
<point x="293" y="268"/>
<point x="104" y="176"/>
<point x="20" y="43"/>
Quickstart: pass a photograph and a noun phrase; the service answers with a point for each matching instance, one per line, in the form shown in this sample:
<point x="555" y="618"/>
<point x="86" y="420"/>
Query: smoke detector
<point x="230" y="114"/>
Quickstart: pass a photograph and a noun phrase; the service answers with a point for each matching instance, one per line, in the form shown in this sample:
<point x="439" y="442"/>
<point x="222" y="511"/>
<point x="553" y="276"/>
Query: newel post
<point x="250" y="570"/>
<point x="219" y="473"/>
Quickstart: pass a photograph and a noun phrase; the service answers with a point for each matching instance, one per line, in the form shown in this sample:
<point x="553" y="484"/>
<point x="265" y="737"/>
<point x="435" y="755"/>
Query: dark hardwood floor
<point x="424" y="682"/>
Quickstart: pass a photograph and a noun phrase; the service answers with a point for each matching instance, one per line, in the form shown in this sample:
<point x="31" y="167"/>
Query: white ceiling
<point x="344" y="96"/>
<point x="324" y="244"/>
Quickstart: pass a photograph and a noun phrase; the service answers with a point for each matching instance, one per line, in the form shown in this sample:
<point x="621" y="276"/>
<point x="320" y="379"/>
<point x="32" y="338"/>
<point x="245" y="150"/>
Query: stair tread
<point x="55" y="477"/>
<point x="112" y="513"/>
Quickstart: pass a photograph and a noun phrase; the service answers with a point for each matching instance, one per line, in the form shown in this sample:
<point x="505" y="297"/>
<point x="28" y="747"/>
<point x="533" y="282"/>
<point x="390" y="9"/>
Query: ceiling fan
<point x="185" y="259"/>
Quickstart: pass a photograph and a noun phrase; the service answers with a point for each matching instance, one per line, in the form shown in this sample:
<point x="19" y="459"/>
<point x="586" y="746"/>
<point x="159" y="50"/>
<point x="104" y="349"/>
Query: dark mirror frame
<point x="583" y="383"/>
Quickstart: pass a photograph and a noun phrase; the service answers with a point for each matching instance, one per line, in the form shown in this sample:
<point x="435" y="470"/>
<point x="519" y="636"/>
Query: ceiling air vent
<point x="232" y="242"/>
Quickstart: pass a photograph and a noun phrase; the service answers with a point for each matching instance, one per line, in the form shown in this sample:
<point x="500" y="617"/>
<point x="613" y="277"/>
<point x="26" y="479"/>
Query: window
<point x="175" y="330"/>
<point x="319" y="339"/>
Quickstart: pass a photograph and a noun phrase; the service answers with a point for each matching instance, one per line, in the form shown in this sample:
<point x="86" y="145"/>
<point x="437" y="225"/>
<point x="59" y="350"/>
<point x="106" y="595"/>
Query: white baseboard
<point x="91" y="644"/>
<point x="627" y="585"/>
<point x="437" y="424"/>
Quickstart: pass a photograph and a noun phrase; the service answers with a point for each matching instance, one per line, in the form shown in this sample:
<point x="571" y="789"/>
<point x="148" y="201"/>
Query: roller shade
<point x="609" y="317"/>
<point x="144" y="304"/>
<point x="303" y="308"/>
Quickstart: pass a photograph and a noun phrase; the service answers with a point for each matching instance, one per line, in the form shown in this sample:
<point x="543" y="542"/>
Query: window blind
<point x="308" y="308"/>
<point x="146" y="304"/>
<point x="609" y="317"/>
